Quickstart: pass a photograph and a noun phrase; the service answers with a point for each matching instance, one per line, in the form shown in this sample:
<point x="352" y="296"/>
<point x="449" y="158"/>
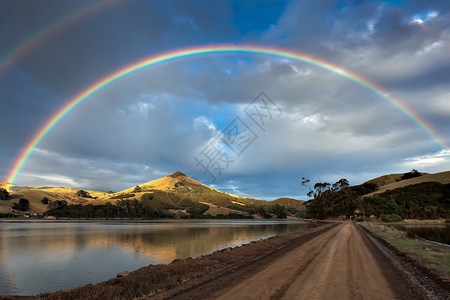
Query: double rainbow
<point x="45" y="33"/>
<point x="214" y="49"/>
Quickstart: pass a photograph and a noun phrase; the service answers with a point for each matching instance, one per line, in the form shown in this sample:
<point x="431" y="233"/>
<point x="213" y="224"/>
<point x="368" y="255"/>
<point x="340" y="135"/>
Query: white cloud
<point x="203" y="121"/>
<point x="421" y="18"/>
<point x="417" y="20"/>
<point x="429" y="48"/>
<point x="432" y="15"/>
<point x="431" y="161"/>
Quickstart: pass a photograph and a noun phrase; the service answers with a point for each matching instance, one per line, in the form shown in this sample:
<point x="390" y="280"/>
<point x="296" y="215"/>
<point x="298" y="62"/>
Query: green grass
<point x="434" y="256"/>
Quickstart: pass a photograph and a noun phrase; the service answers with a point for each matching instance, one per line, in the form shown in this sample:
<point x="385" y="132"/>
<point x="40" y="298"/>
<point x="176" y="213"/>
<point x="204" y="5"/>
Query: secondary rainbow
<point x="205" y="50"/>
<point x="45" y="33"/>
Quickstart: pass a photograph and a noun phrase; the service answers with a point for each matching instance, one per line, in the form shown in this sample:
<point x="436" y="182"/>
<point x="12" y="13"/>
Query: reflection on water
<point x="52" y="255"/>
<point x="438" y="233"/>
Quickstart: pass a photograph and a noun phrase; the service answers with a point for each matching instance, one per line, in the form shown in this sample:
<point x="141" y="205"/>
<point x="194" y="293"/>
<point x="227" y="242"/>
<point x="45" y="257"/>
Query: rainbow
<point x="213" y="49"/>
<point x="37" y="38"/>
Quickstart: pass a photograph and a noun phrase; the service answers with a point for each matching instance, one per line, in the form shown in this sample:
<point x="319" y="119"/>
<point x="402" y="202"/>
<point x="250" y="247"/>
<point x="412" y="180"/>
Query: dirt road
<point x="340" y="263"/>
<point x="331" y="261"/>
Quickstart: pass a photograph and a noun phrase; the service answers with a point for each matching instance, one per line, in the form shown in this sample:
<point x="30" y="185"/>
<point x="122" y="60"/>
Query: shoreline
<point x="218" y="260"/>
<point x="138" y="220"/>
<point x="224" y="267"/>
<point x="185" y="274"/>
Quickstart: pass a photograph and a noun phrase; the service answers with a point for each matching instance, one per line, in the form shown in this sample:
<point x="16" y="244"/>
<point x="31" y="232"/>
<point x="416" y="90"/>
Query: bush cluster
<point x="23" y="205"/>
<point x="4" y="195"/>
<point x="389" y="218"/>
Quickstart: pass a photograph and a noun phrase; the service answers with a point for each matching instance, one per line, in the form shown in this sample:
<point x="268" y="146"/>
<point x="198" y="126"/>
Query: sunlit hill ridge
<point x="174" y="193"/>
<point x="408" y="195"/>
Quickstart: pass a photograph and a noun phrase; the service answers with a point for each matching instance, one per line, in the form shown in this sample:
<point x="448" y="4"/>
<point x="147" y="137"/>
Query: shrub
<point x="123" y="196"/>
<point x="177" y="174"/>
<point x="413" y="173"/>
<point x="83" y="194"/>
<point x="23" y="205"/>
<point x="44" y="200"/>
<point x="147" y="197"/>
<point x="263" y="212"/>
<point x="197" y="209"/>
<point x="279" y="211"/>
<point x="4" y="195"/>
<point x="389" y="218"/>
<point x="57" y="204"/>
<point x="137" y="189"/>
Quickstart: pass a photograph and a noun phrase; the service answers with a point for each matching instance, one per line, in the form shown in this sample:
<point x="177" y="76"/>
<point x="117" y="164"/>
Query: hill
<point x="175" y="181"/>
<point x="425" y="199"/>
<point x="35" y="194"/>
<point x="442" y="177"/>
<point x="392" y="178"/>
<point x="175" y="195"/>
<point x="298" y="204"/>
<point x="422" y="196"/>
<point x="385" y="179"/>
<point x="178" y="191"/>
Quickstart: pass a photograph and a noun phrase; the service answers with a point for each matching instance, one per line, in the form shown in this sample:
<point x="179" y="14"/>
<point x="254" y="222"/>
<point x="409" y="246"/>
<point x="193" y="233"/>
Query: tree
<point x="263" y="212"/>
<point x="137" y="189"/>
<point x="23" y="205"/>
<point x="83" y="194"/>
<point x="340" y="185"/>
<point x="57" y="204"/>
<point x="197" y="209"/>
<point x="321" y="191"/>
<point x="4" y="195"/>
<point x="411" y="174"/>
<point x="330" y="200"/>
<point x="279" y="211"/>
<point x="44" y="200"/>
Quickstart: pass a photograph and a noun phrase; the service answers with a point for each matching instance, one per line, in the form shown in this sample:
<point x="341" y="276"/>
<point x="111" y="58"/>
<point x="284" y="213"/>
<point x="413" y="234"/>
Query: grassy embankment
<point x="433" y="256"/>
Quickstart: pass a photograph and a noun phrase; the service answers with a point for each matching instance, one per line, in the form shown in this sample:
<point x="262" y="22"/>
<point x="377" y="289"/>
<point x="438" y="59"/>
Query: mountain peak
<point x="177" y="174"/>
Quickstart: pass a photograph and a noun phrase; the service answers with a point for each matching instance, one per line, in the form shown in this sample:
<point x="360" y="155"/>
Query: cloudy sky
<point x="179" y="115"/>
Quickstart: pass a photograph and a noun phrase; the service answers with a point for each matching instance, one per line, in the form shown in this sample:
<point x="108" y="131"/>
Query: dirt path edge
<point x="421" y="280"/>
<point x="232" y="274"/>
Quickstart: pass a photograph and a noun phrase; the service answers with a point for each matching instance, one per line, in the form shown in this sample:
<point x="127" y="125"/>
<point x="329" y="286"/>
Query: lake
<point x="39" y="256"/>
<point x="433" y="232"/>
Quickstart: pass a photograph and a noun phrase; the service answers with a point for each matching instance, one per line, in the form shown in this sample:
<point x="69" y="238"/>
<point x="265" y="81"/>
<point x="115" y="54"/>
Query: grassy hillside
<point x="429" y="200"/>
<point x="34" y="195"/>
<point x="443" y="177"/>
<point x="173" y="182"/>
<point x="175" y="195"/>
<point x="178" y="191"/>
<point x="298" y="204"/>
<point x="385" y="179"/>
<point x="421" y="197"/>
<point x="389" y="179"/>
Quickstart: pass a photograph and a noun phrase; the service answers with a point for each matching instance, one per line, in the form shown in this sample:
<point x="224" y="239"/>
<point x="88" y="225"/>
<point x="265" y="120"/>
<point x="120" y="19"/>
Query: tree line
<point x="426" y="200"/>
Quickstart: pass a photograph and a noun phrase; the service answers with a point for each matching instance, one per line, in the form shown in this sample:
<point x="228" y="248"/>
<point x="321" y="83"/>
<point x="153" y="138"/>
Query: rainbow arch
<point x="214" y="49"/>
<point x="38" y="37"/>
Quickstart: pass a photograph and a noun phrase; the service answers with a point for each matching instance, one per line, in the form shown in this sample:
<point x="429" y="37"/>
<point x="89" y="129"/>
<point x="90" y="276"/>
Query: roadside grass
<point x="434" y="256"/>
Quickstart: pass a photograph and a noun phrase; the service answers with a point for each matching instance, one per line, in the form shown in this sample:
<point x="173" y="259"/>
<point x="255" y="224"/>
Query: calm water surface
<point x="38" y="256"/>
<point x="438" y="232"/>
